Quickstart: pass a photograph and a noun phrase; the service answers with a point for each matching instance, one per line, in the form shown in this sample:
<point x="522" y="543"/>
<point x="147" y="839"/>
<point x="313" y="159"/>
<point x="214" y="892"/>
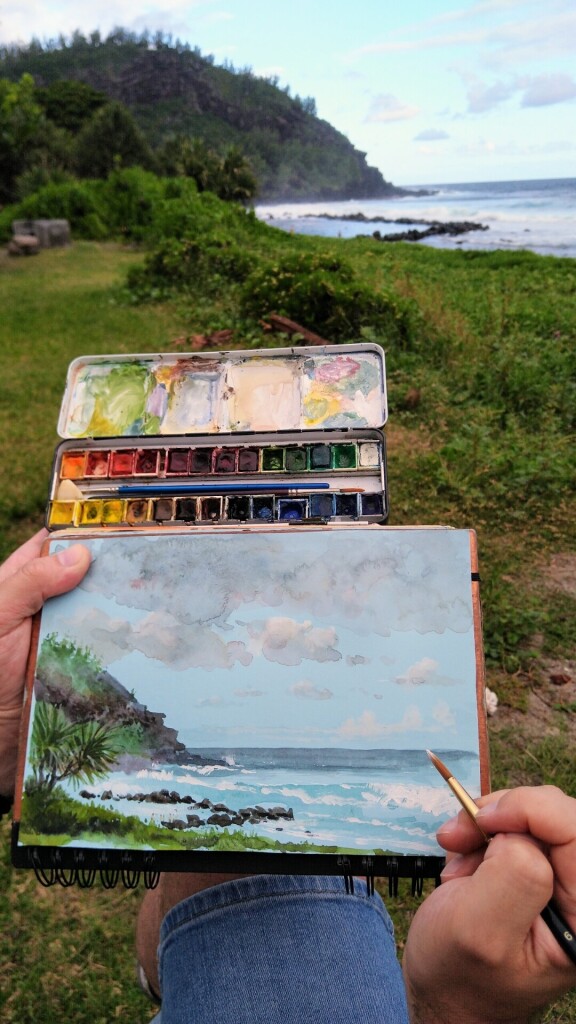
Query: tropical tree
<point x="20" y="120"/>
<point x="229" y="176"/>
<point x="70" y="104"/>
<point x="81" y="752"/>
<point x="111" y="138"/>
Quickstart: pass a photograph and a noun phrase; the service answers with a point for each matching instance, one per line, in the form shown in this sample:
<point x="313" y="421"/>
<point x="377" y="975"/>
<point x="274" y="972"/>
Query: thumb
<point x="26" y="590"/>
<point x="511" y="886"/>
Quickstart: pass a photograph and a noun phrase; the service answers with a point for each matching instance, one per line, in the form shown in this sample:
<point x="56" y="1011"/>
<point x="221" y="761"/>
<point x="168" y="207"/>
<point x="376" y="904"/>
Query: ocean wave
<point x="427" y="799"/>
<point x="328" y="799"/>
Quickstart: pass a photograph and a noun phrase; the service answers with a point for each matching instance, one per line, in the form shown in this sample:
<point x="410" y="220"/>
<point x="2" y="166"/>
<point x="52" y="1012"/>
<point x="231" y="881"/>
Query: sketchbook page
<point x="255" y="691"/>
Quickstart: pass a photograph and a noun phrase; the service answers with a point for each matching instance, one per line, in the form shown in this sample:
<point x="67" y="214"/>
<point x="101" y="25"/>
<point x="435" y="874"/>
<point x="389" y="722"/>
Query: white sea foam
<point x="537" y="215"/>
<point x="329" y="799"/>
<point x="429" y="799"/>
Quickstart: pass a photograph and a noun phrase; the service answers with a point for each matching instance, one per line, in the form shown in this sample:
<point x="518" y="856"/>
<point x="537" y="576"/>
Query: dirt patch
<point x="560" y="573"/>
<point x="408" y="441"/>
<point x="550" y="705"/>
<point x="550" y="686"/>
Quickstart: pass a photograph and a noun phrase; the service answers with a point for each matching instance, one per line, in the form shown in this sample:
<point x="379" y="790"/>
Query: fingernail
<point x="71" y="556"/>
<point x="448" y="827"/>
<point x="451" y="867"/>
<point x="487" y="810"/>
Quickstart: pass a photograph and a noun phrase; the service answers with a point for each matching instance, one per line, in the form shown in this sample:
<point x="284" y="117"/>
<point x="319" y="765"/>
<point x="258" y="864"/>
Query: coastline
<point x="539" y="216"/>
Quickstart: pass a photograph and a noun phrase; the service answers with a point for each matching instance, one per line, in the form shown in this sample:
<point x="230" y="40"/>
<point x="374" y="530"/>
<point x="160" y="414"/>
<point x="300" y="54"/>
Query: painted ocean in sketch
<point x="256" y="691"/>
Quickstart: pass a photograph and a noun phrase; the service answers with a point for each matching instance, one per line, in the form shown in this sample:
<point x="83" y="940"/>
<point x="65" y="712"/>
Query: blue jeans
<point x="277" y="949"/>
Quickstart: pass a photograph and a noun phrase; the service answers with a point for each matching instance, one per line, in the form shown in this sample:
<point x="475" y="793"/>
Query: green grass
<point x="59" y="306"/>
<point x="481" y="434"/>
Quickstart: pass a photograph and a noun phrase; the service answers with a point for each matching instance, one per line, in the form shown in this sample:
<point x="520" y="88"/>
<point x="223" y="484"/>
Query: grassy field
<point x="481" y="434"/>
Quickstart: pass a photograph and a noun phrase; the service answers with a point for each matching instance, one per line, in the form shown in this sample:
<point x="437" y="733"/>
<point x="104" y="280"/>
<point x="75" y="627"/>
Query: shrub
<point x="183" y="264"/>
<point x="322" y="293"/>
<point x="73" y="201"/>
<point x="130" y="198"/>
<point x="185" y="213"/>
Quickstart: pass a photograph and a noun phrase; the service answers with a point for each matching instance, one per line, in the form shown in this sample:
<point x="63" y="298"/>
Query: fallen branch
<point x="285" y="326"/>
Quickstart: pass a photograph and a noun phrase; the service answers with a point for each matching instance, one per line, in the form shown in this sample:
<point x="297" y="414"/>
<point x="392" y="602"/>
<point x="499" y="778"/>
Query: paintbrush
<point x="463" y="797"/>
<point x="550" y="914"/>
<point x="180" y="489"/>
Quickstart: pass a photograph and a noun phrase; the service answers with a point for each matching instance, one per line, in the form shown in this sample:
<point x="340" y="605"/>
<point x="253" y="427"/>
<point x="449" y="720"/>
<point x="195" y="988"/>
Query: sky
<point x="434" y="91"/>
<point x="300" y="640"/>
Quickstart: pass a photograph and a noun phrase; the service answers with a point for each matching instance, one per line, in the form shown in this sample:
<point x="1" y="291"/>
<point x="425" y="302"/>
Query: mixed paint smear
<point x="138" y="397"/>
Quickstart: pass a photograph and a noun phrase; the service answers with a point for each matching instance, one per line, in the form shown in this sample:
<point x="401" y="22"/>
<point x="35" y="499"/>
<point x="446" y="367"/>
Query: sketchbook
<point x="229" y="690"/>
<point x="257" y="701"/>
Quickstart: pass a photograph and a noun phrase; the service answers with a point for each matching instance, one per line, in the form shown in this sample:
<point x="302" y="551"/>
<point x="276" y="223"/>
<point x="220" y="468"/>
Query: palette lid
<point x="332" y="387"/>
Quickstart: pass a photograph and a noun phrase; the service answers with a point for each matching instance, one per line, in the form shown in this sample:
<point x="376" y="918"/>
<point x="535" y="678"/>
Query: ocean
<point x="359" y="799"/>
<point x="535" y="215"/>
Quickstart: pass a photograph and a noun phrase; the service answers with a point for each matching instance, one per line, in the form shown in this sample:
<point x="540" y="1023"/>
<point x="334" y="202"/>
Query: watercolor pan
<point x="177" y="461"/>
<point x="225" y="460"/>
<point x="122" y="462"/>
<point x="296" y="459"/>
<point x="137" y="511"/>
<point x="97" y="463"/>
<point x="273" y="460"/>
<point x="248" y="460"/>
<point x="147" y="462"/>
<point x="201" y="460"/>
<point x="73" y="466"/>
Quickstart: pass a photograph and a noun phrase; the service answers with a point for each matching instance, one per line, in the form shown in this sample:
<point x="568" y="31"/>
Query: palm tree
<point x="81" y="752"/>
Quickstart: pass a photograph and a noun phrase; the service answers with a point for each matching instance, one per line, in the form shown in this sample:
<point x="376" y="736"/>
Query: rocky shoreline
<point x="221" y="816"/>
<point x="433" y="227"/>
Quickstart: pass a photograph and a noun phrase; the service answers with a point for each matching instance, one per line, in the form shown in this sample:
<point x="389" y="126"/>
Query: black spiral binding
<point x="418" y="877"/>
<point x="84" y="867"/>
<point x="86" y="878"/>
<point x="393" y="874"/>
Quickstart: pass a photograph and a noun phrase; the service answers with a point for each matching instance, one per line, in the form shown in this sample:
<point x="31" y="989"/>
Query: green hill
<point x="172" y="89"/>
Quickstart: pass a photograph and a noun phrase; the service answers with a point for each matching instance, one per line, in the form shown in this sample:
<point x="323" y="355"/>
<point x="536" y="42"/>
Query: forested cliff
<point x="173" y="90"/>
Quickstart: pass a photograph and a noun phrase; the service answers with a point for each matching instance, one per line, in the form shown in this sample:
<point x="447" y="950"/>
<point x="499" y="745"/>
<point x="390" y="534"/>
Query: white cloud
<point x="546" y="90"/>
<point x="482" y="97"/>
<point x="532" y="33"/>
<point x="443" y="715"/>
<point x="539" y="91"/>
<point x="46" y="19"/>
<point x="386" y="107"/>
<point x="288" y="642"/>
<point x="158" y="635"/>
<point x="367" y="726"/>
<point x="424" y="673"/>
<point x="307" y="690"/>
<point x="368" y="591"/>
<point x="248" y="693"/>
<point x="357" y="659"/>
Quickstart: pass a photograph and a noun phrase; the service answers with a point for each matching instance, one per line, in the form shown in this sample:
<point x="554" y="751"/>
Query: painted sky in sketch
<point x="359" y="638"/>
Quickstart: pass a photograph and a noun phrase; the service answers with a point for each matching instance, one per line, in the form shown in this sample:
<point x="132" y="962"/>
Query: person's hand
<point x="26" y="580"/>
<point x="478" y="951"/>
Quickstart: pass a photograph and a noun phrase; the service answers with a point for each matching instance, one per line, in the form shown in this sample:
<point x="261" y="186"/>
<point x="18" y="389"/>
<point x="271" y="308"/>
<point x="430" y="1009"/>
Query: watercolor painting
<point x="220" y="392"/>
<point x="269" y="691"/>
